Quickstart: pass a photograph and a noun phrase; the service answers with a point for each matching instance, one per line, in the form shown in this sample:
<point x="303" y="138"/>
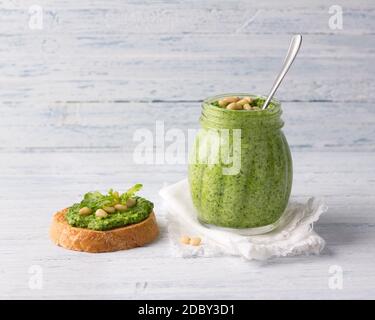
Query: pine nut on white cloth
<point x="294" y="237"/>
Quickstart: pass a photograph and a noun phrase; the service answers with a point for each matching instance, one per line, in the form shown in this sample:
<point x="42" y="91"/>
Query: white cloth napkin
<point x="294" y="237"/>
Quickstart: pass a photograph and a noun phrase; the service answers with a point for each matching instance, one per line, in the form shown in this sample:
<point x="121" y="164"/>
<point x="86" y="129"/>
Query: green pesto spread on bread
<point x="102" y="212"/>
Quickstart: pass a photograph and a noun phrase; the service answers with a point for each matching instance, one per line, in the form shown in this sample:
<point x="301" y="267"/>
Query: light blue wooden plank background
<point x="73" y="93"/>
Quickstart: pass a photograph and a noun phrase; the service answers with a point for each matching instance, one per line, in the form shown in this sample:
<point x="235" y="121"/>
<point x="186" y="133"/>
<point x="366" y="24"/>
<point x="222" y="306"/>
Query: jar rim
<point x="267" y="112"/>
<point x="219" y="117"/>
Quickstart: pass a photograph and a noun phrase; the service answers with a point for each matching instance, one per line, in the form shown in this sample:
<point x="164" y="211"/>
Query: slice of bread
<point x="79" y="239"/>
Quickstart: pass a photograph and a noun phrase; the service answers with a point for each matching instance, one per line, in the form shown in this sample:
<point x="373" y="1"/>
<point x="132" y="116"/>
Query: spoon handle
<point x="294" y="46"/>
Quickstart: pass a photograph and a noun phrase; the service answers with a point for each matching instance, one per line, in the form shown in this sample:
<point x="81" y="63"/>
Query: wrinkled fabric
<point x="294" y="236"/>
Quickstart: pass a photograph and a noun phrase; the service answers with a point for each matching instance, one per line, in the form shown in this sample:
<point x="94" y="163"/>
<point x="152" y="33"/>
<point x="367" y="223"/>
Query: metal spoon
<point x="294" y="46"/>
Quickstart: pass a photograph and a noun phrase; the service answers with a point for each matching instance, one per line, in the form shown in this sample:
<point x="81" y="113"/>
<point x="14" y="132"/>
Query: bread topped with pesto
<point x="106" y="222"/>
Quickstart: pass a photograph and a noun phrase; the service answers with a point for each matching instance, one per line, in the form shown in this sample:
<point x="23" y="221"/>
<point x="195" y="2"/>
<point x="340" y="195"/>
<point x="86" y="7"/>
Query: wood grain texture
<point x="183" y="50"/>
<point x="74" y="93"/>
<point x="62" y="127"/>
<point x="48" y="182"/>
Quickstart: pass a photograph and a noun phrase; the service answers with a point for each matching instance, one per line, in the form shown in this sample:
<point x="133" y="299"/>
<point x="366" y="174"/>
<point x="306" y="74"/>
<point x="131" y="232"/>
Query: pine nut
<point x="230" y="99"/>
<point x="222" y="103"/>
<point x="242" y="102"/>
<point x="248" y="99"/>
<point x="185" y="240"/>
<point x="85" y="211"/>
<point x="196" y="241"/>
<point x="100" y="213"/>
<point x="109" y="209"/>
<point x="234" y="106"/>
<point x="121" y="207"/>
<point x="231" y="106"/>
<point x="225" y="101"/>
<point x="131" y="203"/>
<point x="247" y="107"/>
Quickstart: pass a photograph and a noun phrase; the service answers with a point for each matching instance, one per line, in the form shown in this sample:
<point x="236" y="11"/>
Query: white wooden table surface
<point x="74" y="92"/>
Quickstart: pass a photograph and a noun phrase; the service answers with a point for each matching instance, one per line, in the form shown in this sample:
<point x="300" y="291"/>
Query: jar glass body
<point x="240" y="167"/>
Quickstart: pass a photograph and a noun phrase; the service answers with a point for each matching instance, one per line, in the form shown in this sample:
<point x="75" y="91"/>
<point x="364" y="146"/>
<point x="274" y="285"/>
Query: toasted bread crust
<point x="79" y="239"/>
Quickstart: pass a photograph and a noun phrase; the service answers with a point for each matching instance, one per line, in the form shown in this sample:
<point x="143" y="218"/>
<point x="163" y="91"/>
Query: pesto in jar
<point x="255" y="193"/>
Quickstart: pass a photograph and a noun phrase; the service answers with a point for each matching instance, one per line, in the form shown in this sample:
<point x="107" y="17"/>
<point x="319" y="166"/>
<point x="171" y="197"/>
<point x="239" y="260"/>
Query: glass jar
<point x="240" y="167"/>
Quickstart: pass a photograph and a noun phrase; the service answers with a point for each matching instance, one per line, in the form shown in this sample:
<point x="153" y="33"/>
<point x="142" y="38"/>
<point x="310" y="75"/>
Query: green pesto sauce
<point x="133" y="215"/>
<point x="258" y="194"/>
